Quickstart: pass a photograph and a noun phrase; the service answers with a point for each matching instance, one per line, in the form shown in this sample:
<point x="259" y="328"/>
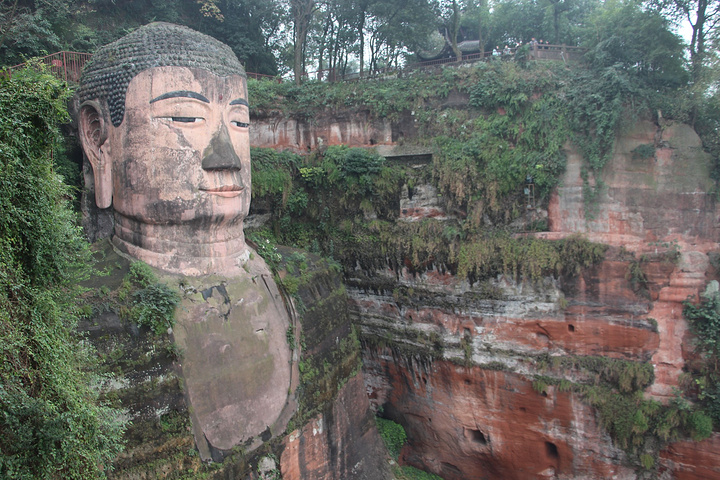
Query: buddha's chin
<point x="188" y="255"/>
<point x="210" y="229"/>
<point x="225" y="207"/>
<point x="225" y="216"/>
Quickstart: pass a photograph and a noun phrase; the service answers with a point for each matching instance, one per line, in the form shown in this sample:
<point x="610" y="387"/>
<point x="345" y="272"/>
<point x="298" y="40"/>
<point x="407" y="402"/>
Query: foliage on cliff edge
<point x="702" y="382"/>
<point x="51" y="425"/>
<point x="344" y="203"/>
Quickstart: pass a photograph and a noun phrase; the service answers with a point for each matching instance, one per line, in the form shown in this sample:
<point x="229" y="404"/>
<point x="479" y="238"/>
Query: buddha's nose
<point x="220" y="154"/>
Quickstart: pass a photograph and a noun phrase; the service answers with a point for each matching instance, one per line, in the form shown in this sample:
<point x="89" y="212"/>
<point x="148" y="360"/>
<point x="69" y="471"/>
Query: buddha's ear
<point x="93" y="135"/>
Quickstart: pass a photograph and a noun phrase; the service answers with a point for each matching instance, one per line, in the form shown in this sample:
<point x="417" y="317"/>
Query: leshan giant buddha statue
<point x="164" y="121"/>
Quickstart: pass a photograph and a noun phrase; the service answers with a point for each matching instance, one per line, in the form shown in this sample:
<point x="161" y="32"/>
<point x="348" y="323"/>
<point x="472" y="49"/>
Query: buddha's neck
<point x="184" y="249"/>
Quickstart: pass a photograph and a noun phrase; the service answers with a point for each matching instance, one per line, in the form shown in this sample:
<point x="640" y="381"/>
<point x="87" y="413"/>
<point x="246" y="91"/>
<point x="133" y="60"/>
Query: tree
<point x="34" y="28"/>
<point x="704" y="18"/>
<point x="638" y="41"/>
<point x="30" y="29"/>
<point x="335" y="35"/>
<point x="478" y="15"/>
<point x="397" y="28"/>
<point x="558" y="21"/>
<point x="301" y="12"/>
<point x="557" y="9"/>
<point x="359" y="9"/>
<point x="52" y="424"/>
<point x="516" y="21"/>
<point x="246" y="26"/>
<point x="451" y="15"/>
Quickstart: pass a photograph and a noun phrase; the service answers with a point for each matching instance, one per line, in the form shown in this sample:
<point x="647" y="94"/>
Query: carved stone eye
<point x="186" y="119"/>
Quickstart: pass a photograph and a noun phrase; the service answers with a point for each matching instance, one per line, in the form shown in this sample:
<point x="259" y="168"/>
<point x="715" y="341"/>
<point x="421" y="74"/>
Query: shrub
<point x="393" y="435"/>
<point x="704" y="319"/>
<point x="154" y="307"/>
<point x="272" y="172"/>
<point x="52" y="422"/>
<point x="141" y="274"/>
<point x="700" y="426"/>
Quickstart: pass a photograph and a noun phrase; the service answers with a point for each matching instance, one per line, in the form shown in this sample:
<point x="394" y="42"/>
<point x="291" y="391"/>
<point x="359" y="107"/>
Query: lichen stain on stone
<point x="237" y="380"/>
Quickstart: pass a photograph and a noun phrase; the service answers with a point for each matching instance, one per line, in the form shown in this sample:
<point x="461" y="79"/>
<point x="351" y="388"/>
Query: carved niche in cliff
<point x="163" y="120"/>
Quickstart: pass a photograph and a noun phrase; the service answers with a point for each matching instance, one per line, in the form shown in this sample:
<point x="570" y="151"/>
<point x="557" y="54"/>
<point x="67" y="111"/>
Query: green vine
<point x="53" y="423"/>
<point x="518" y="121"/>
<point x="615" y="388"/>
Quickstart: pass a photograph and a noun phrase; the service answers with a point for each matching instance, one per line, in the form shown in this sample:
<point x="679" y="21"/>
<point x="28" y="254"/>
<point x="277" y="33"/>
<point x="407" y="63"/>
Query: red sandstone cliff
<point x="485" y="421"/>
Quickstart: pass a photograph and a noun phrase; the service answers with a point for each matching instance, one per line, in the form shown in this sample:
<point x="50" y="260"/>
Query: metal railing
<point x="65" y="65"/>
<point x="556" y="52"/>
<point x="262" y="76"/>
<point x="68" y="65"/>
<point x="540" y="52"/>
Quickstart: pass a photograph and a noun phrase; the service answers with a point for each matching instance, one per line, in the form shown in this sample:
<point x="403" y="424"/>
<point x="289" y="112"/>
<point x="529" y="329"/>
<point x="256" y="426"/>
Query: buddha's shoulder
<point x="307" y="277"/>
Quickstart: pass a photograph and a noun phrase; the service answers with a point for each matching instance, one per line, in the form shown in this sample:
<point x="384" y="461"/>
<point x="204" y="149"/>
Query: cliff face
<point x="656" y="190"/>
<point x="472" y="412"/>
<point x="482" y="374"/>
<point x="454" y="363"/>
<point x="473" y="422"/>
<point x="652" y="204"/>
<point x="332" y="434"/>
<point x="287" y="133"/>
<point x="340" y="443"/>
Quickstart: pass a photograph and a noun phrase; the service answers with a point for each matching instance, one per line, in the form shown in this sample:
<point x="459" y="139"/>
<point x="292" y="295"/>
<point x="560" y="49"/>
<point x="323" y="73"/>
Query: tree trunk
<point x="361" y="30"/>
<point x="455" y="29"/>
<point x="323" y="47"/>
<point x="697" y="43"/>
<point x="301" y="12"/>
<point x="9" y="19"/>
<point x="481" y="43"/>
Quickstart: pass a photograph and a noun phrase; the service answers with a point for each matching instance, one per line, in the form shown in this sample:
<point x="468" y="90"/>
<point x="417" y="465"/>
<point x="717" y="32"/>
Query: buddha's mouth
<point x="227" y="191"/>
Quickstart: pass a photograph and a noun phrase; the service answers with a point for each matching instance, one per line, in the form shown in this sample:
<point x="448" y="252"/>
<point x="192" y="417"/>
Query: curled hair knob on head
<point x="107" y="76"/>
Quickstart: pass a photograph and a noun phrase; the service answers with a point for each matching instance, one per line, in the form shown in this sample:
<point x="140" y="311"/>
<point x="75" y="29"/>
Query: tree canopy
<point x="345" y="36"/>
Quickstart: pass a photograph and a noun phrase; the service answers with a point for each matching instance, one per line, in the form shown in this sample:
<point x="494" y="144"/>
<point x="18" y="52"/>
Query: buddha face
<point x="182" y="153"/>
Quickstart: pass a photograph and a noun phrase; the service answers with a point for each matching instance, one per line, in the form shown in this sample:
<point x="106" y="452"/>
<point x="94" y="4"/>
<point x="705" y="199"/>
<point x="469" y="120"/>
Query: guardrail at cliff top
<point x="68" y="65"/>
<point x="65" y="65"/>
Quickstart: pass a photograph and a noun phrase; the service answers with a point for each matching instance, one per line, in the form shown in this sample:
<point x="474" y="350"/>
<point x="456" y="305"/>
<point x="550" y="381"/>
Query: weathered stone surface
<point x="141" y="380"/>
<point x="356" y="129"/>
<point x="467" y="422"/>
<point x="650" y="205"/>
<point x="340" y="444"/>
<point x="163" y="386"/>
<point x="654" y="199"/>
<point x="164" y="125"/>
<point x="335" y="436"/>
<point x="422" y="202"/>
<point x="658" y="217"/>
<point x="237" y="364"/>
<point x="473" y="423"/>
<point x="597" y="314"/>
<point x="687" y="460"/>
<point x="485" y="421"/>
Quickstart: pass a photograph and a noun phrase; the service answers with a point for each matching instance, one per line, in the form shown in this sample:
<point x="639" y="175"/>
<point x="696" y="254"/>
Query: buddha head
<point x="164" y="122"/>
